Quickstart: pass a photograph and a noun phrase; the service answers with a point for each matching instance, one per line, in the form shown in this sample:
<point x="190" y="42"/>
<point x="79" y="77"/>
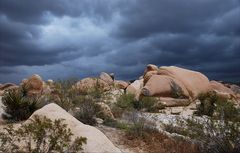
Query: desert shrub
<point x="217" y="107"/>
<point x="87" y="109"/>
<point x="124" y="103"/>
<point x="226" y="110"/>
<point x="116" y="124"/>
<point x="17" y="106"/>
<point x="176" y="91"/>
<point x="40" y="135"/>
<point x="214" y="136"/>
<point x="149" y="104"/>
<point x="207" y="105"/>
<point x="63" y="93"/>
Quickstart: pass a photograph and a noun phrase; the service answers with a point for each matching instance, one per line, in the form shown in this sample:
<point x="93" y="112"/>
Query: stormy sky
<point x="61" y="39"/>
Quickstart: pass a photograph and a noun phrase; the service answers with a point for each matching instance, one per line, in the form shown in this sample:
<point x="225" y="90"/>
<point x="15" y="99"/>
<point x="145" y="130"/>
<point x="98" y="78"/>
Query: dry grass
<point x="156" y="142"/>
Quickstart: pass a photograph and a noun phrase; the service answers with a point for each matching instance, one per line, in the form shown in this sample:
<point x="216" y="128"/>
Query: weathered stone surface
<point x="135" y="88"/>
<point x="97" y="142"/>
<point x="7" y="86"/>
<point x="107" y="78"/>
<point x="194" y="82"/>
<point x="104" y="111"/>
<point x="176" y="110"/>
<point x="148" y="75"/>
<point x="164" y="86"/>
<point x="150" y="67"/>
<point x="173" y="102"/>
<point x="121" y="84"/>
<point x="86" y="85"/>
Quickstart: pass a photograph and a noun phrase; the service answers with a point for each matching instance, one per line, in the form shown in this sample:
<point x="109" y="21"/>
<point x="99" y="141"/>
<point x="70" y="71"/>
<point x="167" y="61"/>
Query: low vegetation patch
<point x="17" y="106"/>
<point x="40" y="135"/>
<point x="217" y="133"/>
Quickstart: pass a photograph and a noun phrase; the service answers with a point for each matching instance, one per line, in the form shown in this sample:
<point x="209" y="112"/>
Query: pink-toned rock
<point x="221" y="90"/>
<point x="148" y="75"/>
<point x="194" y="82"/>
<point x="87" y="85"/>
<point x="121" y="84"/>
<point x="107" y="78"/>
<point x="135" y="88"/>
<point x="150" y="67"/>
<point x="217" y="86"/>
<point x="164" y="86"/>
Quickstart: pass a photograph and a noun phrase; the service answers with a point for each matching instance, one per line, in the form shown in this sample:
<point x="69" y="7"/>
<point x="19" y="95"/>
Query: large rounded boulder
<point x="164" y="86"/>
<point x="135" y="88"/>
<point x="97" y="142"/>
<point x="194" y="82"/>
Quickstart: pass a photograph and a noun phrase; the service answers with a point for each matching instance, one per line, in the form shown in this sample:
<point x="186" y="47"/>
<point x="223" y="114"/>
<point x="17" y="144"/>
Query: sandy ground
<point x="118" y="139"/>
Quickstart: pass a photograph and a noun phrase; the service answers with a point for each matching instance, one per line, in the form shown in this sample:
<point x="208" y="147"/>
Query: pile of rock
<point x="104" y="82"/>
<point x="176" y="87"/>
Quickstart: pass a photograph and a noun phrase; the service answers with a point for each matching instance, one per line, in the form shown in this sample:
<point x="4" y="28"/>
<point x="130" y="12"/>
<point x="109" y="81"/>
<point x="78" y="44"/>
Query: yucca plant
<point x="17" y="106"/>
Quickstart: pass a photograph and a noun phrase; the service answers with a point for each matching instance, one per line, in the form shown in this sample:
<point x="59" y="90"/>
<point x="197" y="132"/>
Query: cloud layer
<point x="78" y="38"/>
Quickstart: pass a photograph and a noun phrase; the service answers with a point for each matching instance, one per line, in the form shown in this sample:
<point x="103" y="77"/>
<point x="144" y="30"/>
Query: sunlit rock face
<point x="97" y="142"/>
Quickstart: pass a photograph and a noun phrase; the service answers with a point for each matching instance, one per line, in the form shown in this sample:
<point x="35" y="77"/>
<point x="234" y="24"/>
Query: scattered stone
<point x="176" y="110"/>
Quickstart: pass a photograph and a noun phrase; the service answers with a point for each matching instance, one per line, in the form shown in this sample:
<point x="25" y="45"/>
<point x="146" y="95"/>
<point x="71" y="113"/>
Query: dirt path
<point x="118" y="139"/>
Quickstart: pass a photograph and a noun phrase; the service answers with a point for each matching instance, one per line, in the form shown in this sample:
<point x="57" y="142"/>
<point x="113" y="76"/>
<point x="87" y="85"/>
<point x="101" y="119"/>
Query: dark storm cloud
<point x="30" y="11"/>
<point x="122" y="36"/>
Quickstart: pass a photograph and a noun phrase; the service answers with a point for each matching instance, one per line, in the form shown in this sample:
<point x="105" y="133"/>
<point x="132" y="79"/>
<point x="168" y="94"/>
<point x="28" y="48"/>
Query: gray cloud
<point x="85" y="37"/>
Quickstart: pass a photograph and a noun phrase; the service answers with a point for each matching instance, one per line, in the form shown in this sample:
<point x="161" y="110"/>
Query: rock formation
<point x="97" y="142"/>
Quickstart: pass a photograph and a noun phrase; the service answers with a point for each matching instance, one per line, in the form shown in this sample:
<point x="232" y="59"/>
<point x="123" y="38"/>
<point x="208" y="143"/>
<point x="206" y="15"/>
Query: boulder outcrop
<point x="135" y="88"/>
<point x="87" y="85"/>
<point x="194" y="82"/>
<point x="97" y="142"/>
<point x="107" y="78"/>
<point x="121" y="84"/>
<point x="165" y="86"/>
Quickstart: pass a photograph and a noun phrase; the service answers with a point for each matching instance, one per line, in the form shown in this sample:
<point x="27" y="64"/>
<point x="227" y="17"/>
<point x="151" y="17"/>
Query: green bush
<point x="150" y="104"/>
<point x="87" y="109"/>
<point x="40" y="135"/>
<point x="116" y="124"/>
<point x="213" y="136"/>
<point x="217" y="107"/>
<point x="126" y="101"/>
<point x="207" y="105"/>
<point x="17" y="106"/>
<point x="63" y="93"/>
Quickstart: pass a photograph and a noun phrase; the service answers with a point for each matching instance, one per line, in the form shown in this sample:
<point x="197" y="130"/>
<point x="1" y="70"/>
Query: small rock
<point x="176" y="110"/>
